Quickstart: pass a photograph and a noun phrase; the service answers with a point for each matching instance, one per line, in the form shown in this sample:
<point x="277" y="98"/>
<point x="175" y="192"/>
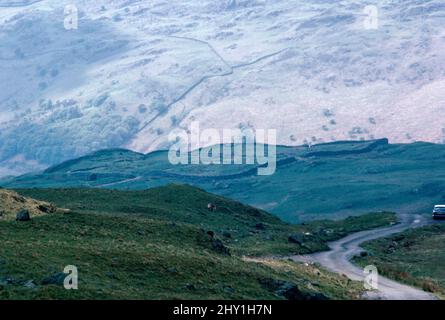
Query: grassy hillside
<point x="415" y="257"/>
<point x="332" y="180"/>
<point x="156" y="244"/>
<point x="247" y="230"/>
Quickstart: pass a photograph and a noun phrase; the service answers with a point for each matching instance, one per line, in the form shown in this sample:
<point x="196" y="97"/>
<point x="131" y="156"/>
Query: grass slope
<point x="332" y="180"/>
<point x="154" y="245"/>
<point x="252" y="231"/>
<point x="415" y="257"/>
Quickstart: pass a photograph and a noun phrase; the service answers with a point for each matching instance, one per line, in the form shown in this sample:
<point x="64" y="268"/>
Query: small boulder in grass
<point x="23" y="215"/>
<point x="227" y="234"/>
<point x="30" y="284"/>
<point x="55" y="279"/>
<point x="296" y="238"/>
<point x="218" y="246"/>
<point x="260" y="226"/>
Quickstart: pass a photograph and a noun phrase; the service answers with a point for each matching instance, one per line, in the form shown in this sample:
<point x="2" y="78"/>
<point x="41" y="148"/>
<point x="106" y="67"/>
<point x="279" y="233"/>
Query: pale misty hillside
<point x="134" y="70"/>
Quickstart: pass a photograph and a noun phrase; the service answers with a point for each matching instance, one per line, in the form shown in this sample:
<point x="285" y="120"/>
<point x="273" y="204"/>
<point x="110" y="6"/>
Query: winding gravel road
<point x="338" y="260"/>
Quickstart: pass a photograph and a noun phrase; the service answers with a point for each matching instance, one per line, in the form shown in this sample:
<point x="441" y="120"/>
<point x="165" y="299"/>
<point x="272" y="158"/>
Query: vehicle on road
<point x="439" y="212"/>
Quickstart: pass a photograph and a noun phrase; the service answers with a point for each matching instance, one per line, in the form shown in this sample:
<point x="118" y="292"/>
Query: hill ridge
<point x="357" y="176"/>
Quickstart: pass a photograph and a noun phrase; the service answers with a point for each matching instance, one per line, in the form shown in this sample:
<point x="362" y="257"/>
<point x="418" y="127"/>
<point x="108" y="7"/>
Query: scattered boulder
<point x="296" y="238"/>
<point x="190" y="286"/>
<point x="5" y="281"/>
<point x="364" y="254"/>
<point x="289" y="290"/>
<point x="23" y="215"/>
<point x="260" y="226"/>
<point x="172" y="270"/>
<point x="47" y="208"/>
<point x="111" y="275"/>
<point x="55" y="279"/>
<point x="18" y="198"/>
<point x="227" y="234"/>
<point x="218" y="246"/>
<point x="316" y="296"/>
<point x="211" y="234"/>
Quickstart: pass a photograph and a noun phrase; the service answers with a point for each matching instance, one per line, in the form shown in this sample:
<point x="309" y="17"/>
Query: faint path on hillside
<point x="338" y="259"/>
<point x="106" y="185"/>
<point x="223" y="73"/>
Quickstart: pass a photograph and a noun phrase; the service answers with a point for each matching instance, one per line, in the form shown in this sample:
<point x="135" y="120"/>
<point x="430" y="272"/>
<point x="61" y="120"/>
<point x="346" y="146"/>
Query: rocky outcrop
<point x="16" y="207"/>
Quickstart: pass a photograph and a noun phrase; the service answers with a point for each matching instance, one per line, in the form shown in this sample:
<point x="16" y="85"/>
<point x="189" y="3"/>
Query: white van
<point x="439" y="212"/>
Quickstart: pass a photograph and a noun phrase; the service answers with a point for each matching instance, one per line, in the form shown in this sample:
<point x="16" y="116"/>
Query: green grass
<point x="188" y="205"/>
<point x="116" y="262"/>
<point x="414" y="257"/>
<point x="329" y="181"/>
<point x="154" y="245"/>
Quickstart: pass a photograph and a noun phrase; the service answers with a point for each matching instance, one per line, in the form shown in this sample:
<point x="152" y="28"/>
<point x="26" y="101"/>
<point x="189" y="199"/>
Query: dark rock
<point x="172" y="270"/>
<point x="296" y="238"/>
<point x="190" y="286"/>
<point x="46" y="209"/>
<point x="23" y="215"/>
<point x="218" y="246"/>
<point x="227" y="234"/>
<point x="363" y="254"/>
<point x="56" y="279"/>
<point x="317" y="296"/>
<point x="19" y="199"/>
<point x="271" y="284"/>
<point x="5" y="281"/>
<point x="260" y="226"/>
<point x="111" y="275"/>
<point x="211" y="233"/>
<point x="10" y="281"/>
<point x="408" y="243"/>
<point x="211" y="207"/>
<point x="289" y="290"/>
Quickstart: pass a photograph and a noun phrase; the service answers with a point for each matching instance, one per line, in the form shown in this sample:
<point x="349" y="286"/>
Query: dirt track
<point x="338" y="260"/>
